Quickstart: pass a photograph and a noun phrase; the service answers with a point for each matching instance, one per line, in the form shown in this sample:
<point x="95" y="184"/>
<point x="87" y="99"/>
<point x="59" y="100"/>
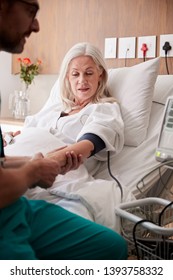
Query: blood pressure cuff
<point x="98" y="143"/>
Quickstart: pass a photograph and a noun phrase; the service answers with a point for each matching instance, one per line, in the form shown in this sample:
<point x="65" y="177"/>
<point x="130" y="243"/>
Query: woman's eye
<point x="75" y="74"/>
<point x="89" y="73"/>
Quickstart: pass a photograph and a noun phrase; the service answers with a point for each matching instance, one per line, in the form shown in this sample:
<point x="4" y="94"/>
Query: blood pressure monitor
<point x="164" y="151"/>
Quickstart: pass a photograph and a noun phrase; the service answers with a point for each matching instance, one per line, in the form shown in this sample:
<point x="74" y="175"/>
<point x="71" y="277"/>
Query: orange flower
<point x="27" y="61"/>
<point x="39" y="61"/>
<point x="28" y="70"/>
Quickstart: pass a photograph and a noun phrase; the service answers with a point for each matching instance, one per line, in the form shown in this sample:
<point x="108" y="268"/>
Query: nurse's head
<point x="83" y="76"/>
<point x="18" y="19"/>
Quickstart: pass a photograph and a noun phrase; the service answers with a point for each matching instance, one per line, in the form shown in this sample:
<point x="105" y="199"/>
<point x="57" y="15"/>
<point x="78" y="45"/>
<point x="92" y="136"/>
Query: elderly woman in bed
<point x="90" y="120"/>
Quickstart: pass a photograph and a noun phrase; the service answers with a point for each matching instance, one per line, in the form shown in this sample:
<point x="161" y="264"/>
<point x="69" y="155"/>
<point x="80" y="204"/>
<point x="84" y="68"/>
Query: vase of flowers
<point x="28" y="71"/>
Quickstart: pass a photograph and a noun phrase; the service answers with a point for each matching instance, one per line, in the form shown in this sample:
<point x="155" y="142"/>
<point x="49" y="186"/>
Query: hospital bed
<point x="136" y="167"/>
<point x="142" y="94"/>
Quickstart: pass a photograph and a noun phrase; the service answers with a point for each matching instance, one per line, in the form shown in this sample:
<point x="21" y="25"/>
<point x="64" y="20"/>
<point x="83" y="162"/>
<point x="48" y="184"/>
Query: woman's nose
<point x="82" y="79"/>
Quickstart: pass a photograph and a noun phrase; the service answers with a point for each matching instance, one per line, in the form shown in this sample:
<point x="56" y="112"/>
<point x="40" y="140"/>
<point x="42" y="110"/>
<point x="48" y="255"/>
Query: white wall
<point x="39" y="91"/>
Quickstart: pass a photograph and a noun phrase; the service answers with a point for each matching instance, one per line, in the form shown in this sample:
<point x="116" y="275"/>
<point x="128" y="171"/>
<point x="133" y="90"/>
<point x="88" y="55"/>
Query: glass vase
<point x="21" y="104"/>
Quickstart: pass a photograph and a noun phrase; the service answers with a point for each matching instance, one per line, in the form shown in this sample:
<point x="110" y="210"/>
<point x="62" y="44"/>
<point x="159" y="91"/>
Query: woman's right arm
<point x="84" y="148"/>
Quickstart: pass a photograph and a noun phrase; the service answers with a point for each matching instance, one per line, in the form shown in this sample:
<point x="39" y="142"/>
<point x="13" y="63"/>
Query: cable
<point x="110" y="173"/>
<point x="126" y="56"/>
<point x="158" y="243"/>
<point x="166" y="47"/>
<point x="156" y="102"/>
<point x="166" y="62"/>
<point x="162" y="212"/>
<point x="134" y="235"/>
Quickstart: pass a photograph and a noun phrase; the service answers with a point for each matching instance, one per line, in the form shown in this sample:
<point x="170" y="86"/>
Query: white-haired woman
<point x="88" y="117"/>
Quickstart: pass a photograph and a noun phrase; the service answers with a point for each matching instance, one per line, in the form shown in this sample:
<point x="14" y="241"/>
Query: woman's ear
<point x="67" y="75"/>
<point x="101" y="75"/>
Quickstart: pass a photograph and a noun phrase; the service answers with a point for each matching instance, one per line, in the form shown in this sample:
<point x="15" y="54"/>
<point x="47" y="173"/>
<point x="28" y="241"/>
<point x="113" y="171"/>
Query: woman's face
<point x="84" y="77"/>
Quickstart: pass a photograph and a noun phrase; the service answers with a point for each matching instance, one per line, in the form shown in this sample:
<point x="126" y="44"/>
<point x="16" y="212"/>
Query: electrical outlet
<point x="150" y="41"/>
<point x="163" y="39"/>
<point x="126" y="47"/>
<point x="110" y="47"/>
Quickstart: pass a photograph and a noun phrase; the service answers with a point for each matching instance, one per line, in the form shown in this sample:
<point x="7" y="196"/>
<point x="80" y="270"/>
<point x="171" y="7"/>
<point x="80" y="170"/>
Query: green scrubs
<point x="39" y="230"/>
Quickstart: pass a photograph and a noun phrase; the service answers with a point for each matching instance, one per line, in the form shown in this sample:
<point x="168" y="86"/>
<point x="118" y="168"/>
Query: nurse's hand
<point x="8" y="137"/>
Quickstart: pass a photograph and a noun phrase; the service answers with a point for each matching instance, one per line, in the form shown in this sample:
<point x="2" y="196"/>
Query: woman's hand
<point x="68" y="160"/>
<point x="73" y="161"/>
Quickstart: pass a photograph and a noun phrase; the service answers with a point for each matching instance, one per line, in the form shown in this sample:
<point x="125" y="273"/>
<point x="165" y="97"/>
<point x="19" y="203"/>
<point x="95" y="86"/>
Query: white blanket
<point x="99" y="197"/>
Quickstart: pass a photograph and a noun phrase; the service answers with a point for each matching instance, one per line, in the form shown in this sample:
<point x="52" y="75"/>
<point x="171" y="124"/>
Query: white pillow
<point x="163" y="88"/>
<point x="133" y="87"/>
<point x="33" y="140"/>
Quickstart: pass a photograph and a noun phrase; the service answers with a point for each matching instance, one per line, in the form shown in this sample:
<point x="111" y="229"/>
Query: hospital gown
<point x="77" y="190"/>
<point x="102" y="119"/>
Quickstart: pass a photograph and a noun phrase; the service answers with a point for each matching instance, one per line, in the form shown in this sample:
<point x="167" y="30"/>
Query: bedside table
<point x="11" y="124"/>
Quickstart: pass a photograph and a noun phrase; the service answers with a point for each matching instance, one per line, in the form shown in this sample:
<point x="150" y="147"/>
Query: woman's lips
<point x="83" y="89"/>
